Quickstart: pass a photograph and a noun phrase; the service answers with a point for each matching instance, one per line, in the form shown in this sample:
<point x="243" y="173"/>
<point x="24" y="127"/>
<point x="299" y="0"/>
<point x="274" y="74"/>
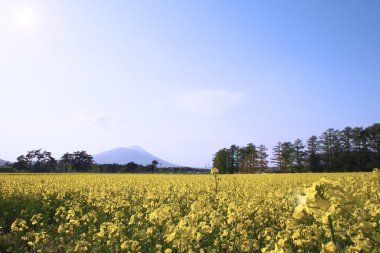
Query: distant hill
<point x="130" y="154"/>
<point x="2" y="162"/>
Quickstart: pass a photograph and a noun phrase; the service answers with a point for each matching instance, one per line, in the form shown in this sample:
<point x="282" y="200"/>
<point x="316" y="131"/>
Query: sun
<point x="25" y="17"/>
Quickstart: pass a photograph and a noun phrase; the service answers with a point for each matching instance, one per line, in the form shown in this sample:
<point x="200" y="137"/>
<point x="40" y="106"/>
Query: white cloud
<point x="103" y="121"/>
<point x="100" y="120"/>
<point x="208" y="102"/>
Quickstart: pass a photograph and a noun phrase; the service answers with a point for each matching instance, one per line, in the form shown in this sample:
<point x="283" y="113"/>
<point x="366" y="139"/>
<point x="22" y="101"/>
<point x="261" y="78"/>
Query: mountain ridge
<point x="124" y="155"/>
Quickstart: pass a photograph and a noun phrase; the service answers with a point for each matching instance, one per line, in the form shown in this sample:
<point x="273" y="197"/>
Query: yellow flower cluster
<point x="347" y="213"/>
<point x="190" y="213"/>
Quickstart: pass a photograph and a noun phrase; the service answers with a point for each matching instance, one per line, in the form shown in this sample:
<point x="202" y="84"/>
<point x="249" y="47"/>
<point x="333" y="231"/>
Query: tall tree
<point x="313" y="155"/>
<point x="373" y="135"/>
<point x="360" y="153"/>
<point x="347" y="158"/>
<point x="31" y="156"/>
<point x="66" y="162"/>
<point x="234" y="159"/>
<point x="277" y="156"/>
<point x="299" y="155"/>
<point x="330" y="144"/>
<point x="81" y="161"/>
<point x="248" y="157"/>
<point x="262" y="156"/>
<point x="287" y="153"/>
<point x="47" y="162"/>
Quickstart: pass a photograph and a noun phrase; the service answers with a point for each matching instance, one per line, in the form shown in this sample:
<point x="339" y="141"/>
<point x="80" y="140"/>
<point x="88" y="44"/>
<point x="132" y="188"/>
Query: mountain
<point x="130" y="154"/>
<point x="2" y="162"/>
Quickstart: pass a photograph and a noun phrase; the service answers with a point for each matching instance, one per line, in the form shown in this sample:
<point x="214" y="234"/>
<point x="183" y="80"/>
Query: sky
<point x="183" y="79"/>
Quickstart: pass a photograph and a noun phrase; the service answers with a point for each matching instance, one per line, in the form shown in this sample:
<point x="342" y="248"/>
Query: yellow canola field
<point x="190" y="213"/>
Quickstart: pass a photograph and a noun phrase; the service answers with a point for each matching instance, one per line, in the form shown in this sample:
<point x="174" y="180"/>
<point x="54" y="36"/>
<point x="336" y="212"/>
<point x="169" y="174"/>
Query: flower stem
<point x="331" y="226"/>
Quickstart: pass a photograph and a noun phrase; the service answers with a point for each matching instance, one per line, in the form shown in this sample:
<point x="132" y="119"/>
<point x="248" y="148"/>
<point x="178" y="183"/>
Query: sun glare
<point x="25" y="17"/>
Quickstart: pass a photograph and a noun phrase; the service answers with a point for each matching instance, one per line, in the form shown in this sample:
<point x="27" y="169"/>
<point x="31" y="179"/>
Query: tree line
<point x="37" y="161"/>
<point x="350" y="149"/>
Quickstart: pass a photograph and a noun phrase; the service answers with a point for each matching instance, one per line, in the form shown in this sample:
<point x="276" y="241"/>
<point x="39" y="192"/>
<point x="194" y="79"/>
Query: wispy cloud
<point x="103" y="121"/>
<point x="208" y="101"/>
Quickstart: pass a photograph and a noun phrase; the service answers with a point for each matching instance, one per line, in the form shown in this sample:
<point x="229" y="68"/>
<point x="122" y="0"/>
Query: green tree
<point x="81" y="161"/>
<point x="360" y="151"/>
<point x="153" y="166"/>
<point x="313" y="156"/>
<point x="262" y="156"/>
<point x="234" y="159"/>
<point x="373" y="138"/>
<point x="299" y="155"/>
<point x="330" y="145"/>
<point x="45" y="162"/>
<point x="220" y="160"/>
<point x="277" y="156"/>
<point x="22" y="164"/>
<point x="287" y="153"/>
<point x="347" y="158"/>
<point x="248" y="157"/>
<point x="66" y="162"/>
<point x="37" y="161"/>
<point x="131" y="167"/>
<point x="31" y="155"/>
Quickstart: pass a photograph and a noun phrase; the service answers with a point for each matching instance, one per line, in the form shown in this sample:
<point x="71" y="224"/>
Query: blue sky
<point x="183" y="79"/>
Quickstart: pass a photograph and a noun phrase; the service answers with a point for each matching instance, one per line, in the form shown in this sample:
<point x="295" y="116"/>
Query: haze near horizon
<point x="183" y="79"/>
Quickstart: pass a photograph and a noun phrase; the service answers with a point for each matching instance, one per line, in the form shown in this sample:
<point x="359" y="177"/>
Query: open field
<point x="190" y="213"/>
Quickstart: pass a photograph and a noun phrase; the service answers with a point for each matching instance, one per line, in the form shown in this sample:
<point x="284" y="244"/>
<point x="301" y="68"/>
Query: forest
<point x="348" y="150"/>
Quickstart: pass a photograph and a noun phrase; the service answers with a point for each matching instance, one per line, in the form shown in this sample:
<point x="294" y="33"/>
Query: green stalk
<point x="216" y="183"/>
<point x="331" y="226"/>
